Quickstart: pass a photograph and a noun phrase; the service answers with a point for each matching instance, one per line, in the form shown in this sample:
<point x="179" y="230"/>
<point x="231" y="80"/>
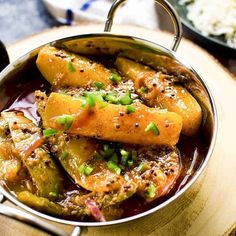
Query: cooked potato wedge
<point x="10" y="164"/>
<point x="111" y="122"/>
<point x="61" y="68"/>
<point x="158" y="90"/>
<point x="77" y="152"/>
<point x="27" y="140"/>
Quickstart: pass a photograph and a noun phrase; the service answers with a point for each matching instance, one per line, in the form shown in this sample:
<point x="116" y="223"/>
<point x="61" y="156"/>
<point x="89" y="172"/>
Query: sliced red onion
<point x="95" y="211"/>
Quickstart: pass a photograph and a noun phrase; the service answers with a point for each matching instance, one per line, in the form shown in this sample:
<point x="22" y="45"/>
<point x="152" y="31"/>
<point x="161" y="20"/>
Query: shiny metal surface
<point x="113" y="44"/>
<point x="125" y="41"/>
<point x="165" y="4"/>
<point x="31" y="220"/>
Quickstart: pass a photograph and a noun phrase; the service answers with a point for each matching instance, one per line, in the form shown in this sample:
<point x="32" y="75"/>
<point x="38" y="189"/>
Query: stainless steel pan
<point x="107" y="43"/>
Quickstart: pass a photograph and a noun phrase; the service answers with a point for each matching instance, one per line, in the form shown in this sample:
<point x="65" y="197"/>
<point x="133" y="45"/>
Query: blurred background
<point x="20" y="19"/>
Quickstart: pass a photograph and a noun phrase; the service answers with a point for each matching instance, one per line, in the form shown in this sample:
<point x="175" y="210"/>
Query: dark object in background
<point x="4" y="59"/>
<point x="211" y="41"/>
<point x="225" y="55"/>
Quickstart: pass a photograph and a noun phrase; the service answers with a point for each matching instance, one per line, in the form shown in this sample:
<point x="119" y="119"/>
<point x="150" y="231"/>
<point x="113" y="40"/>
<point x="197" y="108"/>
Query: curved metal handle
<point x="34" y="221"/>
<point x="31" y="220"/>
<point x="166" y="5"/>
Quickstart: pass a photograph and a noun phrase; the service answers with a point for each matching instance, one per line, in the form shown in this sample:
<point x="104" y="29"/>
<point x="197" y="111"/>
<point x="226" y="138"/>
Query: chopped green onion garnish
<point x="143" y="90"/>
<point x="90" y="101"/>
<point x="90" y="98"/>
<point x="134" y="155"/>
<point x="106" y="147"/>
<point x="49" y="132"/>
<point x="126" y="99"/>
<point x="124" y="157"/>
<point x="113" y="167"/>
<point x="130" y="109"/>
<point x="114" y="158"/>
<point x="130" y="163"/>
<point x="152" y="127"/>
<point x="115" y="78"/>
<point x="151" y="191"/>
<point x="124" y="153"/>
<point x="62" y="120"/>
<point x="108" y="152"/>
<point x="86" y="169"/>
<point x="63" y="156"/>
<point x="99" y="85"/>
<point x="53" y="194"/>
<point x="66" y="121"/>
<point x="112" y="98"/>
<point x="70" y="67"/>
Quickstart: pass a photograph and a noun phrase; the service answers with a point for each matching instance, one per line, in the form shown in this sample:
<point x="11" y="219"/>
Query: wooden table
<point x="209" y="207"/>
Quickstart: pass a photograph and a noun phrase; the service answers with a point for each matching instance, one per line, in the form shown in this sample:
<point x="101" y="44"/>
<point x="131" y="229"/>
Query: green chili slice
<point x="130" y="109"/>
<point x="70" y="67"/>
<point x="113" y="167"/>
<point x="115" y="78"/>
<point x="49" y="132"/>
<point x="99" y="85"/>
<point x="152" y="127"/>
<point x="66" y="121"/>
<point x="112" y="98"/>
<point x="126" y="99"/>
<point x="124" y="156"/>
<point x="151" y="191"/>
<point x="143" y="90"/>
<point x="86" y="169"/>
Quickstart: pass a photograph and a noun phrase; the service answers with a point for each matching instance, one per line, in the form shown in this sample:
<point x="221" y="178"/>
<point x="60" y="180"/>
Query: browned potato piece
<point x="76" y="152"/>
<point x="162" y="92"/>
<point x="10" y="164"/>
<point x="111" y="122"/>
<point x="156" y="175"/>
<point x="62" y="68"/>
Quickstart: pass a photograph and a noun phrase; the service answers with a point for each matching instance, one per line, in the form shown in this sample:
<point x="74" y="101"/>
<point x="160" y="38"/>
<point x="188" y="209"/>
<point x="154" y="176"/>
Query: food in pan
<point x="111" y="138"/>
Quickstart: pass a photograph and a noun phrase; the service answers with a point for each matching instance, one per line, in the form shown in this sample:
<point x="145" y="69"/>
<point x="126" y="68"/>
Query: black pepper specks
<point x="117" y="126"/>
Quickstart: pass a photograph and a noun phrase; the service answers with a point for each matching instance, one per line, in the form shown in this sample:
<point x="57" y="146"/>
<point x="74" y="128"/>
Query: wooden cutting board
<point x="209" y="207"/>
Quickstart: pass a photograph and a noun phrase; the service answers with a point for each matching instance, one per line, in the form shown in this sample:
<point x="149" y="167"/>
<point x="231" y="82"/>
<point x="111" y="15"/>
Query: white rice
<point x="214" y="17"/>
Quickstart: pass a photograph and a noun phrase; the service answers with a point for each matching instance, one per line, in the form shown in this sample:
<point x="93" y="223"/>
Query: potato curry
<point x="110" y="140"/>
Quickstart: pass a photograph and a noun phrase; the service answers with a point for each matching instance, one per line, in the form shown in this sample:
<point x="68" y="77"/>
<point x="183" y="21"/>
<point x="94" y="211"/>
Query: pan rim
<point x="147" y="43"/>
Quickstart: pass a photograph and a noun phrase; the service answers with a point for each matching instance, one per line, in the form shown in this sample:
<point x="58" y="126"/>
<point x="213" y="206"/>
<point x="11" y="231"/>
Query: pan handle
<point x="166" y="5"/>
<point x="31" y="220"/>
<point x="34" y="221"/>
